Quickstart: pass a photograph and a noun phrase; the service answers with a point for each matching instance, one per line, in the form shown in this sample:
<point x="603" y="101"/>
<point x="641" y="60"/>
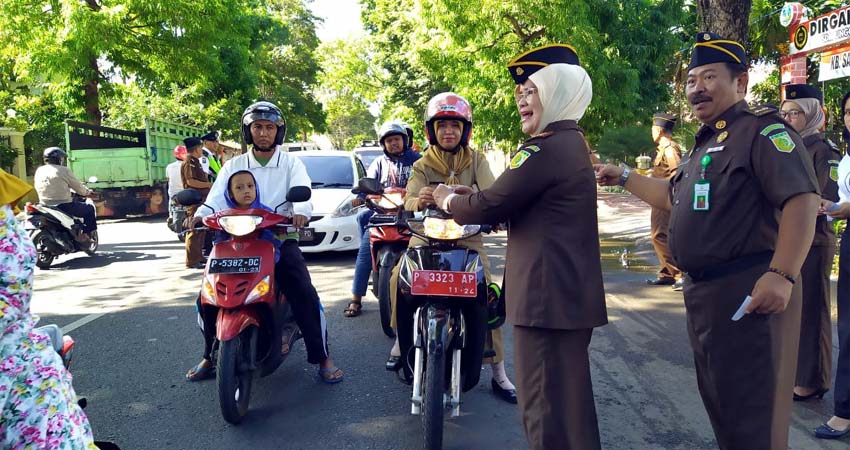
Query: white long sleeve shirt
<point x="274" y="180"/>
<point x="175" y="180"/>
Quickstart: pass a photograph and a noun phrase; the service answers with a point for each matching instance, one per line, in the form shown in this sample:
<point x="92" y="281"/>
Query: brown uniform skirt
<point x="745" y="369"/>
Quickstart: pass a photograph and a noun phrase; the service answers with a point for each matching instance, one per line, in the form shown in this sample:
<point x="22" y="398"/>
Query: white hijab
<point x="564" y="90"/>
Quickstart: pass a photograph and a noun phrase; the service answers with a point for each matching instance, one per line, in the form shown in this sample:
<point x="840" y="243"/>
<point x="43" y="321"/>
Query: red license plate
<point x="451" y="284"/>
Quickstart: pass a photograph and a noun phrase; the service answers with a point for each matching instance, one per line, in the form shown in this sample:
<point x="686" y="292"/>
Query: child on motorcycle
<point x="243" y="193"/>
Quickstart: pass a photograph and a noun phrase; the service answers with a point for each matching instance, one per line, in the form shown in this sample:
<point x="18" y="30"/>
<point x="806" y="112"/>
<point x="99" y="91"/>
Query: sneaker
<point x="679" y="285"/>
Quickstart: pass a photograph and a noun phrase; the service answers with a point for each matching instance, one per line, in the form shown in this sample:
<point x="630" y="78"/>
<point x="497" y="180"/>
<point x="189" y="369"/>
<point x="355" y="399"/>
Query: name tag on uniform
<point x="715" y="149"/>
<point x="701" y="194"/>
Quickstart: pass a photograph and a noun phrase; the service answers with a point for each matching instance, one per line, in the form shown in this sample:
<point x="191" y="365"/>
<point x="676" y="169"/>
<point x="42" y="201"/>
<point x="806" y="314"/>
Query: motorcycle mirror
<point x="299" y="194"/>
<point x="188" y="197"/>
<point x="370" y="186"/>
<point x="92" y="179"/>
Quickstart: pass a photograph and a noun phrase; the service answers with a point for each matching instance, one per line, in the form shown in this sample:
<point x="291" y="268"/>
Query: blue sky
<point x="342" y="18"/>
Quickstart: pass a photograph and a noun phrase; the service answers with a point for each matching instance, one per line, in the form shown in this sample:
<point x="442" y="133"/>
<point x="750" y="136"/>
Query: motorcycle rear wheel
<point x="384" y="303"/>
<point x="92" y="247"/>
<point x="432" y="408"/>
<point x="44" y="258"/>
<point x="234" y="385"/>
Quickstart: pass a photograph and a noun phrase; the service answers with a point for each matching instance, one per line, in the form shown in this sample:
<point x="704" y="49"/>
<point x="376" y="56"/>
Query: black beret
<point x="666" y="121"/>
<point x="795" y="91"/>
<point x="211" y="136"/>
<point x="522" y="66"/>
<point x="711" y="48"/>
<point x="191" y="142"/>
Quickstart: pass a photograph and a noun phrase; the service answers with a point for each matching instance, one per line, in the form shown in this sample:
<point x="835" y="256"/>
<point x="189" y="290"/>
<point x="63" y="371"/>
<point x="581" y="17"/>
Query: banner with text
<point x="835" y="63"/>
<point x="821" y="32"/>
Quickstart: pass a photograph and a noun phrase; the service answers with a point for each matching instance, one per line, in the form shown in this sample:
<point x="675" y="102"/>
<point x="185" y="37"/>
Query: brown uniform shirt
<point x="666" y="161"/>
<point x="825" y="157"/>
<point x="553" y="274"/>
<point x="758" y="162"/>
<point x="193" y="170"/>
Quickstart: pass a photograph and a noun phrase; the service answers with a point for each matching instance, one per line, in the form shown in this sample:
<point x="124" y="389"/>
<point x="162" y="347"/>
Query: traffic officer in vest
<point x="210" y="159"/>
<point x="743" y="207"/>
<point x="803" y="110"/>
<point x="553" y="275"/>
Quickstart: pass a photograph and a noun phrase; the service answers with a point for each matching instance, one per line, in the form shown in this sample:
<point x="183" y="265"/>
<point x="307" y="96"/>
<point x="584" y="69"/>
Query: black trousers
<point x="842" y="370"/>
<point x="292" y="276"/>
<point x="81" y="210"/>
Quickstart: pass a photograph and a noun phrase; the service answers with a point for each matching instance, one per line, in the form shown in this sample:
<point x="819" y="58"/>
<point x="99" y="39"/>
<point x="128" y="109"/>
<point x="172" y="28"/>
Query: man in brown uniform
<point x="743" y="216"/>
<point x="667" y="158"/>
<point x="553" y="275"/>
<point x="194" y="177"/>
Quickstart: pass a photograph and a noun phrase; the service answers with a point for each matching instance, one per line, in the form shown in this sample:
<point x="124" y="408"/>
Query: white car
<point x="333" y="173"/>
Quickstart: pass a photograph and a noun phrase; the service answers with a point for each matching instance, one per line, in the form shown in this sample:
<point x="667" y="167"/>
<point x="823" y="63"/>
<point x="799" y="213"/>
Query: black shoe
<point x="393" y="363"/>
<point x="197" y="265"/>
<point x="827" y="432"/>
<point x="661" y="282"/>
<point x="508" y="395"/>
<point x="818" y="393"/>
<point x="679" y="285"/>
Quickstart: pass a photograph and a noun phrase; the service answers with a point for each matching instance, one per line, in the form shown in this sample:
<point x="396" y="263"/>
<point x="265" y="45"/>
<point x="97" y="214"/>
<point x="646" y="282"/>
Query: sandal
<point x="353" y="310"/>
<point x="330" y="375"/>
<point x="199" y="372"/>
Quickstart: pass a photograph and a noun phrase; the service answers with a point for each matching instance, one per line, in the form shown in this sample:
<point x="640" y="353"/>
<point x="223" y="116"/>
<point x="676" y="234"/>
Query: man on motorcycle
<point x="54" y="183"/>
<point x="450" y="160"/>
<point x="275" y="172"/>
<point x="392" y="169"/>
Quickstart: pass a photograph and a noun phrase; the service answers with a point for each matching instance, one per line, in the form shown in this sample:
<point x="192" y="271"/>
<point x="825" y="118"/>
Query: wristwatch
<point x="625" y="175"/>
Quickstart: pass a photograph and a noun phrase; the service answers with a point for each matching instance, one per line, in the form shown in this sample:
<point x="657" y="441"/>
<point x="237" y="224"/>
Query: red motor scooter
<point x="388" y="242"/>
<point x="254" y="319"/>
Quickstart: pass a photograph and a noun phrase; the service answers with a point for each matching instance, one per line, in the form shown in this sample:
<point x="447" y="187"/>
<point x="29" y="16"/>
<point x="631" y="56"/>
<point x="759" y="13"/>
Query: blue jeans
<point x="363" y="265"/>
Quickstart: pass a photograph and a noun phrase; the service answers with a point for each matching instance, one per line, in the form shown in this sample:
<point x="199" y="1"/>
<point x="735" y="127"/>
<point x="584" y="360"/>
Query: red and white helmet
<point x="448" y="106"/>
<point x="180" y="152"/>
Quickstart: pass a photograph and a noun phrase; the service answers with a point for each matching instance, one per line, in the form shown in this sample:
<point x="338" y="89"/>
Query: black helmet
<point x="54" y="155"/>
<point x="392" y="129"/>
<point x="263" y="111"/>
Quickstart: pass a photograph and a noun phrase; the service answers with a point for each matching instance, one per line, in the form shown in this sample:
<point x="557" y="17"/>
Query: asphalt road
<point x="131" y="310"/>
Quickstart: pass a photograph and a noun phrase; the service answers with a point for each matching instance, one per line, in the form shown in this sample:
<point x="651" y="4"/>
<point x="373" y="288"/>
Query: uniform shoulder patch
<point x="761" y="110"/>
<point x="532" y="148"/>
<point x="833" y="169"/>
<point x="783" y="142"/>
<point x="770" y="128"/>
<point x="519" y="159"/>
<point x="543" y="135"/>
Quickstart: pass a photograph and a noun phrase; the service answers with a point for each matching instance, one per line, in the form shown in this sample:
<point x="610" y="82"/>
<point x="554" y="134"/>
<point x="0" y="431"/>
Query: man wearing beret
<point x="743" y="206"/>
<point x="553" y="276"/>
<point x="194" y="177"/>
<point x="667" y="158"/>
<point x="209" y="154"/>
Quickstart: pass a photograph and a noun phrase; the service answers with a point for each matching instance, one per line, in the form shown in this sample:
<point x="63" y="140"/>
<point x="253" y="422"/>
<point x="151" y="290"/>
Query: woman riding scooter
<point x="450" y="160"/>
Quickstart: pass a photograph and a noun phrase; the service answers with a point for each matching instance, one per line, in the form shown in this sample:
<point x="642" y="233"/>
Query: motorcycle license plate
<point x="450" y="284"/>
<point x="305" y="234"/>
<point x="235" y="265"/>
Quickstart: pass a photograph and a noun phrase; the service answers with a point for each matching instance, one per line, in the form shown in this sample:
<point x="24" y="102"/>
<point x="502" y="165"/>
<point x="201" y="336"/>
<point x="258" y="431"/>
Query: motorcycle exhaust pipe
<point x="416" y="398"/>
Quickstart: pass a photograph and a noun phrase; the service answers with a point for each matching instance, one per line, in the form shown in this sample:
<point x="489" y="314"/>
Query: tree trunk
<point x="727" y="18"/>
<point x="91" y="95"/>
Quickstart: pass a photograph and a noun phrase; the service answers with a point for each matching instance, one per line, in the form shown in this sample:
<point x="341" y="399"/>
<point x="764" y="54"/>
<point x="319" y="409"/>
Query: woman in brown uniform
<point x="553" y="286"/>
<point x="803" y="110"/>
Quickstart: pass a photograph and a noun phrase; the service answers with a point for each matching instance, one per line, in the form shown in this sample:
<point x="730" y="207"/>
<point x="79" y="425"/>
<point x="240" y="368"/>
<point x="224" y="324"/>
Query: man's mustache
<point x="699" y="98"/>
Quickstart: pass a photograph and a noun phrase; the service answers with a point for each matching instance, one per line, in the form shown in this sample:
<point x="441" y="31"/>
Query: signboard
<point x="835" y="63"/>
<point x="821" y="32"/>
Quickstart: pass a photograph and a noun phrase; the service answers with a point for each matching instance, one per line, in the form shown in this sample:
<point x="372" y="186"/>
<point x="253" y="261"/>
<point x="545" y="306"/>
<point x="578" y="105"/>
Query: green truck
<point x="129" y="165"/>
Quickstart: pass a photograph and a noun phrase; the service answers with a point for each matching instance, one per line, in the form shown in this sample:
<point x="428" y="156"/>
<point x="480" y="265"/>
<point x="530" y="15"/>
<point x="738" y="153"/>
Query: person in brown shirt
<point x="553" y="274"/>
<point x="743" y="206"/>
<point x="664" y="165"/>
<point x="194" y="177"/>
<point x="803" y="110"/>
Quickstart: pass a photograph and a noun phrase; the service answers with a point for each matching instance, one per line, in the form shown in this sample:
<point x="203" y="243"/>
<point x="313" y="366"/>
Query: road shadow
<point x="102" y="260"/>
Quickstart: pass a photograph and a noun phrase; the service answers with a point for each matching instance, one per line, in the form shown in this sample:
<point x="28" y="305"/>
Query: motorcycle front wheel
<point x="44" y="258"/>
<point x="432" y="408"/>
<point x="234" y="384"/>
<point x="384" y="303"/>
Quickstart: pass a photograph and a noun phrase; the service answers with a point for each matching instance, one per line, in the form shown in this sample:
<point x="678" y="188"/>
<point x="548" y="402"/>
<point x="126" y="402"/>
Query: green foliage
<point x="8" y="155"/>
<point x="625" y="144"/>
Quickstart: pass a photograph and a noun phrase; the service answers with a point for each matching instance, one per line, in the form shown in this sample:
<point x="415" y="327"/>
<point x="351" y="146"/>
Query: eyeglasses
<point x="793" y="113"/>
<point x="524" y="94"/>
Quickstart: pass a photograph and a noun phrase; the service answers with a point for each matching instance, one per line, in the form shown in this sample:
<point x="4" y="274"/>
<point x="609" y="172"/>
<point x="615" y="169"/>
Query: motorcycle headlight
<point x="391" y="201"/>
<point x="446" y="229"/>
<point x="345" y="208"/>
<point x="208" y="291"/>
<point x="260" y="289"/>
<point x="239" y="225"/>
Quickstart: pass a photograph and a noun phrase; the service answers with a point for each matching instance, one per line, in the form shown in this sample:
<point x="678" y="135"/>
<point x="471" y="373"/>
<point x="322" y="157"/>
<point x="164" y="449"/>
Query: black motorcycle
<point x="441" y="315"/>
<point x="55" y="233"/>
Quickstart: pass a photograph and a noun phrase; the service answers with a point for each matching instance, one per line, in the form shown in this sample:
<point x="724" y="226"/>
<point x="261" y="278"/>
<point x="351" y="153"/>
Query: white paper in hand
<point x="742" y="309"/>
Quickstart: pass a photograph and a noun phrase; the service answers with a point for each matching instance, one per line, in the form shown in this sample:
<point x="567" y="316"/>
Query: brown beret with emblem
<point x="711" y="48"/>
<point x="522" y="66"/>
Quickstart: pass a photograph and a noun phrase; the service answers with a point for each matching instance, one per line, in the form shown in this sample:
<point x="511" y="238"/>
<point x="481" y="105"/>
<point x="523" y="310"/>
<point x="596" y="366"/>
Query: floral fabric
<point x="38" y="408"/>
